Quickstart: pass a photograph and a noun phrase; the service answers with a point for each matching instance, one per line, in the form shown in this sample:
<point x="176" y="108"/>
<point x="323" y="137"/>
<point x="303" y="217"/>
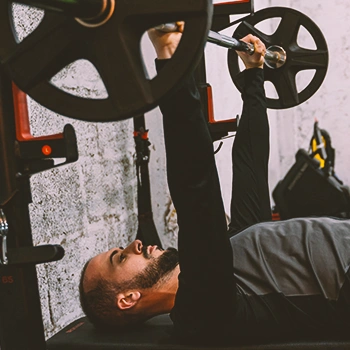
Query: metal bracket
<point x="38" y="153"/>
<point x="25" y="255"/>
<point x="3" y="238"/>
<point x="34" y="255"/>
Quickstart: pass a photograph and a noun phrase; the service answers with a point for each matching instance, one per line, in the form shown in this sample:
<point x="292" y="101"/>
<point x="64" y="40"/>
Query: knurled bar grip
<point x="238" y="45"/>
<point x="230" y="43"/>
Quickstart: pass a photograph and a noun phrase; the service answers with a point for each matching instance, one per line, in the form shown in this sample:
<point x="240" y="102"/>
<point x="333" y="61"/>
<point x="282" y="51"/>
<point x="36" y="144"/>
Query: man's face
<point x="134" y="263"/>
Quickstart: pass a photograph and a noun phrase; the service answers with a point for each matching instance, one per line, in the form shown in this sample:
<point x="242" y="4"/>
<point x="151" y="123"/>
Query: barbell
<point x="108" y="34"/>
<point x="275" y="56"/>
<point x="285" y="57"/>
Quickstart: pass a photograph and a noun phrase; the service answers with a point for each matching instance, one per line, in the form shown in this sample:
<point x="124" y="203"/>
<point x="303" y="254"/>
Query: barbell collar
<point x="275" y="57"/>
<point x="83" y="9"/>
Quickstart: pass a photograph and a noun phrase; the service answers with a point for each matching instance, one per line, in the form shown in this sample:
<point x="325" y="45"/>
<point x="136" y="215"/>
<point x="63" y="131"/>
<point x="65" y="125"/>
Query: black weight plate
<point x="298" y="58"/>
<point x="114" y="50"/>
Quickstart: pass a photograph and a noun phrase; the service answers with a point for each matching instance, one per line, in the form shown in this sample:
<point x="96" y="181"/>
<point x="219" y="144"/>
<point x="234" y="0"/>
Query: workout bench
<point x="156" y="333"/>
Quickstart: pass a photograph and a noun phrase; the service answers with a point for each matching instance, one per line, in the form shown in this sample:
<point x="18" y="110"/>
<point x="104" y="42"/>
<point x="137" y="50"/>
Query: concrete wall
<point x="90" y="205"/>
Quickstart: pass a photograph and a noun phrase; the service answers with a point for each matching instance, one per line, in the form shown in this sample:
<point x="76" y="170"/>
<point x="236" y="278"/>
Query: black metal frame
<point x="21" y="325"/>
<point x="238" y="7"/>
<point x="221" y="20"/>
<point x="147" y="231"/>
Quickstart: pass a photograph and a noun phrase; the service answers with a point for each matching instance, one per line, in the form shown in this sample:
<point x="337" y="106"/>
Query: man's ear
<point x="128" y="299"/>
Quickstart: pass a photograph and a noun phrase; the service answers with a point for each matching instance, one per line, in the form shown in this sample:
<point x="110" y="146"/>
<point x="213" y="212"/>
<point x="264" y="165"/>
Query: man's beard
<point x="157" y="270"/>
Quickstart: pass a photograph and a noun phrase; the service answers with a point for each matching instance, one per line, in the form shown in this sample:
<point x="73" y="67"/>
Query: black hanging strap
<point x="147" y="231"/>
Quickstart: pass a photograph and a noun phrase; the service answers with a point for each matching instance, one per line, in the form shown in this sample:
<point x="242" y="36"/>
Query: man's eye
<point x="122" y="257"/>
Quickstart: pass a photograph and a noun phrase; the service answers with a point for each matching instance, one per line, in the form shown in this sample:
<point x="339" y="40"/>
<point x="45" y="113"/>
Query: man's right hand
<point x="164" y="43"/>
<point x="256" y="60"/>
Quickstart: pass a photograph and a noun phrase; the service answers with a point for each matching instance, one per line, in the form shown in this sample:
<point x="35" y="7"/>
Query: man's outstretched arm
<point x="250" y="201"/>
<point x="206" y="296"/>
<point x="205" y="302"/>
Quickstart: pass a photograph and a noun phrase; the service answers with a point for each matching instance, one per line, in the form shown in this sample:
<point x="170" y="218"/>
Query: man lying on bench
<point x="254" y="278"/>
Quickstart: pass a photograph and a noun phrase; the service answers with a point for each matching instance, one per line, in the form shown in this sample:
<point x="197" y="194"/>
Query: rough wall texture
<point x="292" y="128"/>
<point x="86" y="207"/>
<point x="90" y="206"/>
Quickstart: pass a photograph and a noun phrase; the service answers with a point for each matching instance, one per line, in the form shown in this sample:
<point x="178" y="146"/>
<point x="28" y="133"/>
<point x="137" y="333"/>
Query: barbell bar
<point x="96" y="12"/>
<point x="275" y="56"/>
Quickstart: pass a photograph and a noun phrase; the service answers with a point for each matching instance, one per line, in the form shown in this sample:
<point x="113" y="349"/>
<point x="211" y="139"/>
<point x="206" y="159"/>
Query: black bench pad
<point x="155" y="334"/>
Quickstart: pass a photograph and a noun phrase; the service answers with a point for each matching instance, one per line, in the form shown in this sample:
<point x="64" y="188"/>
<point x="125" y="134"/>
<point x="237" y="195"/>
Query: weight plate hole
<point x="269" y="26"/>
<point x="40" y="126"/>
<point x="80" y="78"/>
<point x="148" y="55"/>
<point x="25" y="19"/>
<point x="241" y="65"/>
<point x="305" y="40"/>
<point x="303" y="78"/>
<point x="270" y="90"/>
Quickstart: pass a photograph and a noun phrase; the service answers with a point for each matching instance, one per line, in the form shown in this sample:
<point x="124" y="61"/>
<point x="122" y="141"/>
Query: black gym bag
<point x="311" y="187"/>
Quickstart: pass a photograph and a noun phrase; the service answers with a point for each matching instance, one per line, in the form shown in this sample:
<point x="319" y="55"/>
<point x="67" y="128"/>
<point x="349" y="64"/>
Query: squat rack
<point x="21" y="155"/>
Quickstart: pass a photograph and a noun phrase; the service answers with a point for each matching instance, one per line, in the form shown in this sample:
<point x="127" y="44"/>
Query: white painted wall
<point x="90" y="206"/>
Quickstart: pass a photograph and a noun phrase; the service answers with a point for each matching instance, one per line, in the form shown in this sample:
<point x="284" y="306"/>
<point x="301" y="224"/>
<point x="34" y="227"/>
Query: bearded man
<point x="255" y="277"/>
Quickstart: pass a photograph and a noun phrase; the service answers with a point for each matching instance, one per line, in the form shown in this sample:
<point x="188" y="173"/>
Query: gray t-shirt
<point x="290" y="272"/>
